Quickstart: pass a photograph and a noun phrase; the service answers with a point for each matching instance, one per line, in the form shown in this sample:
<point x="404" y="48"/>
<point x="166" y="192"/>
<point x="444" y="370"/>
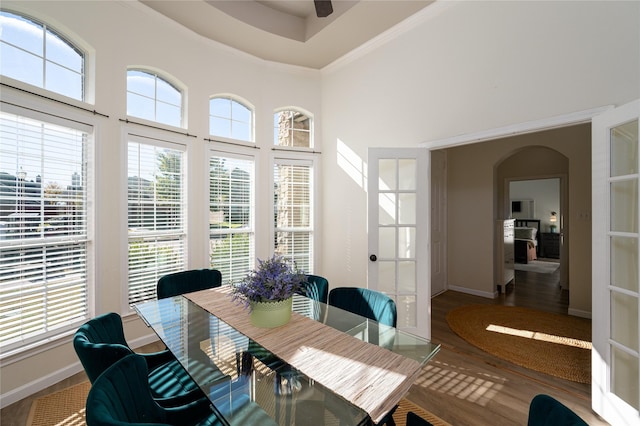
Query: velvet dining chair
<point x="188" y="281"/>
<point x="100" y="343"/>
<point x="316" y="288"/>
<point x="545" y="410"/>
<point x="371" y="304"/>
<point x="121" y="396"/>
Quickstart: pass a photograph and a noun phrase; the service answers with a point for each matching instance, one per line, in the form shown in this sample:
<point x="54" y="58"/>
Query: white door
<point x="438" y="222"/>
<point x="398" y="226"/>
<point x="616" y="266"/>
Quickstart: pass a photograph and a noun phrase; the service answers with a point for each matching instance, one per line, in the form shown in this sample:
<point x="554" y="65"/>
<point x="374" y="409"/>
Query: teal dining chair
<point x="188" y="281"/>
<point x="121" y="396"/>
<point x="371" y="304"/>
<point x="545" y="410"/>
<point x="316" y="288"/>
<point x="100" y="343"/>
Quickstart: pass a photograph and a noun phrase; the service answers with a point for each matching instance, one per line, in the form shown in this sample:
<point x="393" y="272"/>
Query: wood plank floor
<point x="462" y="384"/>
<point x="466" y="386"/>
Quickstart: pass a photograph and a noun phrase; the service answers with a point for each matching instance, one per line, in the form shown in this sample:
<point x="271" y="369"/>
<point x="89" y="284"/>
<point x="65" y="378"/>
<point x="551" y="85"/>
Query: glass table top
<point x="246" y="383"/>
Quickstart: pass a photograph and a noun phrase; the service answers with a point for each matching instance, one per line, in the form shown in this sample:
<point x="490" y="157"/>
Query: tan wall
<point x="472" y="207"/>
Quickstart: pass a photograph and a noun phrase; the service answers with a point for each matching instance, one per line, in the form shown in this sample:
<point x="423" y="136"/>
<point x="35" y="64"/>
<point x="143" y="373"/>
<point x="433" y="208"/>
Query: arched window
<point x="151" y="97"/>
<point x="292" y="128"/>
<point x="35" y="54"/>
<point x="230" y="118"/>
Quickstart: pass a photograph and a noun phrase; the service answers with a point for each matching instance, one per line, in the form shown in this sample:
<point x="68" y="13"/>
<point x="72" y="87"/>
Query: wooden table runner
<point x="369" y="376"/>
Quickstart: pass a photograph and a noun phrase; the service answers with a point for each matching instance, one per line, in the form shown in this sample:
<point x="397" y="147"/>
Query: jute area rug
<point x="67" y="408"/>
<point x="554" y="344"/>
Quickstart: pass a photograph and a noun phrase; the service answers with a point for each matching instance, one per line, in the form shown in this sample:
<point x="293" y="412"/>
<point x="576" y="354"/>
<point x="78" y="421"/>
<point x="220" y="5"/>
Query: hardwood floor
<point x="462" y="384"/>
<point x="466" y="386"/>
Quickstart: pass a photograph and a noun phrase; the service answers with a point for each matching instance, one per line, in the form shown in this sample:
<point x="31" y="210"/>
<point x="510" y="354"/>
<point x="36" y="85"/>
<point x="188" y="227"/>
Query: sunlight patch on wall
<point x="352" y="164"/>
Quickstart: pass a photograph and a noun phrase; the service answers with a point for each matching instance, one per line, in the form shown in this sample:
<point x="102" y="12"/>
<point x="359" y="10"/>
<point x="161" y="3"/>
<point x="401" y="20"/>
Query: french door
<point x="399" y="263"/>
<point x="616" y="265"/>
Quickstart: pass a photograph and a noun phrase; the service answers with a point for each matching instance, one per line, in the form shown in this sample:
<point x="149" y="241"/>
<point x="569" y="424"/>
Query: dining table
<point x="325" y="366"/>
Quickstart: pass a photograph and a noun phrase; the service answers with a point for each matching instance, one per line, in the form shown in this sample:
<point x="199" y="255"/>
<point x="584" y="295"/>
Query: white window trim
<point x="242" y="101"/>
<point x="312" y="119"/>
<point x="239" y="153"/>
<point x="18" y="103"/>
<point x="161" y="138"/>
<point x="304" y="159"/>
<point x="184" y="118"/>
<point x="77" y="42"/>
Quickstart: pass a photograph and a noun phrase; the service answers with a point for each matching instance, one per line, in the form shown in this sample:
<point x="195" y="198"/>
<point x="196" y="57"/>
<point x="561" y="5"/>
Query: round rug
<point x="554" y="344"/>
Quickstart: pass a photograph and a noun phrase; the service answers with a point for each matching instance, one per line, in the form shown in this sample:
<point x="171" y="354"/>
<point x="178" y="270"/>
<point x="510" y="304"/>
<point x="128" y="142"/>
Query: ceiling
<point x="288" y="31"/>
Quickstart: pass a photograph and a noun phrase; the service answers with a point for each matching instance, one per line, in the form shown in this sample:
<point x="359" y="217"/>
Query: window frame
<point x="162" y="139"/>
<point x="239" y="154"/>
<point x="311" y="132"/>
<point x="246" y="104"/>
<point x="18" y="103"/>
<point x="172" y="82"/>
<point x="298" y="159"/>
<point x="71" y="42"/>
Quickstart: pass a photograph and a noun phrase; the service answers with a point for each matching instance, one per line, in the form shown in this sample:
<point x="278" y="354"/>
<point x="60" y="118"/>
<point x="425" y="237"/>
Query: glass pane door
<point x="616" y="266"/>
<point x="396" y="241"/>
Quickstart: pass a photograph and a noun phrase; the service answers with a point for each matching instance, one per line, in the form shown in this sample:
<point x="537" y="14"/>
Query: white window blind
<point x="231" y="215"/>
<point x="43" y="229"/>
<point x="293" y="207"/>
<point x="156" y="215"/>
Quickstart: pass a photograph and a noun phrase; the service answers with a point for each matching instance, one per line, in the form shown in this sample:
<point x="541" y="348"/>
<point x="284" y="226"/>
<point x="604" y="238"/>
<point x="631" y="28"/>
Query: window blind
<point x="43" y="229"/>
<point x="231" y="213"/>
<point x="293" y="207"/>
<point x="156" y="216"/>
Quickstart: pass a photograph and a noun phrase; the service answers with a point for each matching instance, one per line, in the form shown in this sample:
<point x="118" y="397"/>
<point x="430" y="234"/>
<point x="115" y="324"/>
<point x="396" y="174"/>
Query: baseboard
<point x="579" y="313"/>
<point x="488" y="295"/>
<point x="28" y="389"/>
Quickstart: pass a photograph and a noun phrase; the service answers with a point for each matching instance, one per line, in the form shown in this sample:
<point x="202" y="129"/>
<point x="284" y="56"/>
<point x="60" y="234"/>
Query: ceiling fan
<point x="323" y="8"/>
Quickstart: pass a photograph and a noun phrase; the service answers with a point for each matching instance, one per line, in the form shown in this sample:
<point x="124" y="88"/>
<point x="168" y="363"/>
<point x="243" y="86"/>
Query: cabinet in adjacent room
<point x="505" y="252"/>
<point x="550" y="245"/>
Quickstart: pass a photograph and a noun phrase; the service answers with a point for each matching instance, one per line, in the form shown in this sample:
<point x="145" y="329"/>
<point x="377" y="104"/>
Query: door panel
<point x="398" y="233"/>
<point x="616" y="266"/>
<point x="438" y="222"/>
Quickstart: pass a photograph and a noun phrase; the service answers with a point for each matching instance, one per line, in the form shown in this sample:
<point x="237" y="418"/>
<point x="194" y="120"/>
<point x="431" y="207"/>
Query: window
<point x="293" y="195"/>
<point x="231" y="212"/>
<point x="43" y="228"/>
<point x="151" y="97"/>
<point x="156" y="215"/>
<point x="292" y="129"/>
<point x="230" y="119"/>
<point x="33" y="53"/>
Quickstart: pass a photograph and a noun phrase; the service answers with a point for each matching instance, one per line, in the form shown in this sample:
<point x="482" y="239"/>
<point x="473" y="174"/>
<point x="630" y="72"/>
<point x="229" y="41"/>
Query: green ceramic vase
<point x="271" y="314"/>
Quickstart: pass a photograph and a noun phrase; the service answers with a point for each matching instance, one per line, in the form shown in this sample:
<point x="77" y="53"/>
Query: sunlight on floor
<point x="535" y="335"/>
<point x="462" y="383"/>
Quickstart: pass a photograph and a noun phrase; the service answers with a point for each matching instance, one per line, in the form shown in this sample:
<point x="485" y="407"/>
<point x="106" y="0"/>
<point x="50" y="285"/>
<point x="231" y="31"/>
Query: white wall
<point x="468" y="67"/>
<point x="122" y="34"/>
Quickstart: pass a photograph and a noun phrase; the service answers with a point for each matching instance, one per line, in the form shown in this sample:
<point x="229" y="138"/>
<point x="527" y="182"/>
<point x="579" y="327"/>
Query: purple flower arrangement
<point x="275" y="279"/>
